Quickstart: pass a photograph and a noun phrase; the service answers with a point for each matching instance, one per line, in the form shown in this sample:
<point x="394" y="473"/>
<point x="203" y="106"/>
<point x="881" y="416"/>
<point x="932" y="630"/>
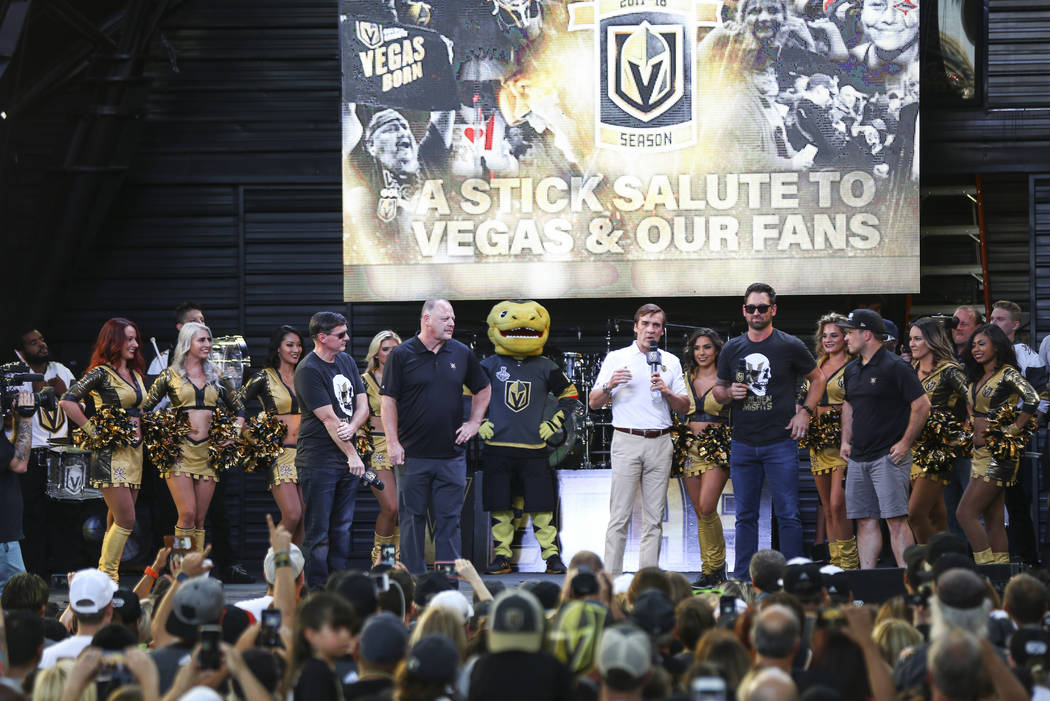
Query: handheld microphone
<point x="652" y="357"/>
<point x="741" y="374"/>
<point x="372" y="480"/>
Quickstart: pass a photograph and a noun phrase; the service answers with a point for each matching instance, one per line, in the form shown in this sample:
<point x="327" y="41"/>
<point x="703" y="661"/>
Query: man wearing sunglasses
<point x="334" y="405"/>
<point x="759" y="373"/>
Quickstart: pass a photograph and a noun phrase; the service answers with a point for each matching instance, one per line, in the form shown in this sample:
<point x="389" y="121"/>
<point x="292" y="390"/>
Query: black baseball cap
<point x="866" y="320"/>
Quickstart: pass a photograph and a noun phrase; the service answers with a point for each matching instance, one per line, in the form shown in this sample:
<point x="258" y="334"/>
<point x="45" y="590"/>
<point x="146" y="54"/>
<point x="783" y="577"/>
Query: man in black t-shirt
<point x="759" y="372"/>
<point x="423" y="421"/>
<point x="334" y="405"/>
<point x="884" y="411"/>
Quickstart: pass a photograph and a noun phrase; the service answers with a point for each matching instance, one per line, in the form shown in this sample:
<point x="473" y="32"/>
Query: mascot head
<point x="519" y="327"/>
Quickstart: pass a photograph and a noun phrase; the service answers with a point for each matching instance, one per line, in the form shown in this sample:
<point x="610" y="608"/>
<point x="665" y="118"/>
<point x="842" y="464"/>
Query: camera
<point x="269" y="631"/>
<point x="178" y="543"/>
<point x="12" y="377"/>
<point x="447" y="568"/>
<point x="831" y="619"/>
<point x="211" y="654"/>
<point x="727" y="611"/>
<point x="707" y="689"/>
<point x="113" y="671"/>
<point x="585" y="583"/>
<point x="388" y="554"/>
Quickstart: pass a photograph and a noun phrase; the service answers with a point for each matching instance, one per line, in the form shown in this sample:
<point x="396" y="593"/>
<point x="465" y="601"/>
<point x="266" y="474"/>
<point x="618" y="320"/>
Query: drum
<point x="230" y="356"/>
<point x="67" y="474"/>
<point x="577" y="369"/>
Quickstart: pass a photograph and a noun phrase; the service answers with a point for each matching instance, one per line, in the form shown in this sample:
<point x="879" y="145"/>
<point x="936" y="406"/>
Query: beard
<point x="761" y="325"/>
<point x="40" y="358"/>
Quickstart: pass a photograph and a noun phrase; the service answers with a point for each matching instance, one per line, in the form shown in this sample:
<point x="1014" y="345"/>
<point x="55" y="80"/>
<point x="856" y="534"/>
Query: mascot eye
<point x="503" y="314"/>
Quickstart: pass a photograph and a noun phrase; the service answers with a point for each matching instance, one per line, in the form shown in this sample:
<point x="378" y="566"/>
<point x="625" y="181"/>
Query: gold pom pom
<point x="225" y="447"/>
<point x="682" y="439"/>
<point x="263" y="441"/>
<point x="825" y="431"/>
<point x="944" y="438"/>
<point x="712" y="445"/>
<point x="1004" y="445"/>
<point x="113" y="429"/>
<point x="363" y="443"/>
<point x="162" y="432"/>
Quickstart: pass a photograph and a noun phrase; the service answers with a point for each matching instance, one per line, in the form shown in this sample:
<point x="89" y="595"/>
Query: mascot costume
<point x="515" y="433"/>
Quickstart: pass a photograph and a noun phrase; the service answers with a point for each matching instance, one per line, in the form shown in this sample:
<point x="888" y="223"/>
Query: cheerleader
<point x="387" y="530"/>
<point x="705" y="479"/>
<point x="827" y="466"/>
<point x="995" y="384"/>
<point x="192" y="384"/>
<point x="114" y="381"/>
<point x="946" y="386"/>
<point x="274" y="388"/>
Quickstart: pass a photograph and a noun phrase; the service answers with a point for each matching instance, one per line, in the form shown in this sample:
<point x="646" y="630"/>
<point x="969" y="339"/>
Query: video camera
<point x="12" y="377"/>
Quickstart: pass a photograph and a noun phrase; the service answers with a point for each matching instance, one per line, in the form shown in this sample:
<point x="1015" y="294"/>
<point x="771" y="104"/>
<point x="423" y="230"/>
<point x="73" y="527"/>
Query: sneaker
<point x="501" y="565"/>
<point x="236" y="574"/>
<point x="555" y="565"/>
<point x="711" y="580"/>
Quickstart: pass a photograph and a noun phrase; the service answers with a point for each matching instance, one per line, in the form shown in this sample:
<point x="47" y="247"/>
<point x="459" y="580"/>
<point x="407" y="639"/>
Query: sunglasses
<point x="760" y="308"/>
<point x="341" y="334"/>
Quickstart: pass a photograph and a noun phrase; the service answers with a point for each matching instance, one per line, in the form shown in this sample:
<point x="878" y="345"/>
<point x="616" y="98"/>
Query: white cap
<point x="298" y="562"/>
<point x="452" y="599"/>
<point x="201" y="693"/>
<point x="91" y="591"/>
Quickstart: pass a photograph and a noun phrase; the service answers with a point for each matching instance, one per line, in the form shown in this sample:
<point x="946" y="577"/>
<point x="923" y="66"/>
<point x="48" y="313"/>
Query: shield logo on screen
<point x="646" y="63"/>
<point x="370" y="34"/>
<point x="646" y="94"/>
<point x="516" y="395"/>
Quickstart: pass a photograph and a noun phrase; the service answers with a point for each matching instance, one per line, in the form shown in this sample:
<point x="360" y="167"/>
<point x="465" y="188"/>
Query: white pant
<point x="645" y="461"/>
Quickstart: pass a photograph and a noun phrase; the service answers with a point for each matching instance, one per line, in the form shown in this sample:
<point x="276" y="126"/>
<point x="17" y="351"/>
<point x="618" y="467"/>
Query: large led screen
<point x="537" y="148"/>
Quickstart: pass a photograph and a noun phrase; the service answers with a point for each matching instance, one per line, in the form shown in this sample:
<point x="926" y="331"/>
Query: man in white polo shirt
<point x="643" y="384"/>
<point x="91" y="598"/>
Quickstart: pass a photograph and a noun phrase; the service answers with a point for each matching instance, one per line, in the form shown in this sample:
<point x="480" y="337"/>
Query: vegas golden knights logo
<point x="370" y="34"/>
<point x="645" y="63"/>
<point x="646" y="95"/>
<point x="516" y="395"/>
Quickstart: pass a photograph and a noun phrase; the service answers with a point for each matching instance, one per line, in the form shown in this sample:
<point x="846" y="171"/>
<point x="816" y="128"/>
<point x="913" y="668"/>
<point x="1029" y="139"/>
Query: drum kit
<point x="229" y="354"/>
<point x="67" y="474"/>
<point x="593" y="427"/>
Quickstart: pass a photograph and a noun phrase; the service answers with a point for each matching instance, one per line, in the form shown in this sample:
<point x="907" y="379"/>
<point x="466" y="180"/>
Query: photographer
<point x="14" y="460"/>
<point x="41" y="526"/>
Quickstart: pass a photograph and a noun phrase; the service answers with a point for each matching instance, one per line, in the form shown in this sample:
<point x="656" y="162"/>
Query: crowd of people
<point x="792" y="631"/>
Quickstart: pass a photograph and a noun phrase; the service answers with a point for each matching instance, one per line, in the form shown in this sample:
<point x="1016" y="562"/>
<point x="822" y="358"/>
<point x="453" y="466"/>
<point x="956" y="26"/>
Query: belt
<point x="644" y="433"/>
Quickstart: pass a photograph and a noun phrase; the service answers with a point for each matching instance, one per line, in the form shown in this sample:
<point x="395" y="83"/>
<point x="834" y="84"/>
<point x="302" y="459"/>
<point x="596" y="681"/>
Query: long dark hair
<point x="1004" y="351"/>
<point x="272" y="359"/>
<point x="318" y="609"/>
<point x="688" y="360"/>
<point x="936" y="338"/>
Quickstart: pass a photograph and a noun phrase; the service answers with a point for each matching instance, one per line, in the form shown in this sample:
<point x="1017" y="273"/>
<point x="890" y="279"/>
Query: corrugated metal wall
<point x="1018" y="53"/>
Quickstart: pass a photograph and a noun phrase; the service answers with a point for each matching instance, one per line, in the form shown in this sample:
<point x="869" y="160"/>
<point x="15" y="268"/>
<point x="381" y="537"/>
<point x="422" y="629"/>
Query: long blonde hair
<point x="830" y="318"/>
<point x="443" y="621"/>
<point x="182" y="347"/>
<point x="372" y="357"/>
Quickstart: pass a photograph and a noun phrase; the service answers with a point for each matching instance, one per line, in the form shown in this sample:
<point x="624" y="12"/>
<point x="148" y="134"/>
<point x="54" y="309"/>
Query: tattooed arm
<point x="23" y="434"/>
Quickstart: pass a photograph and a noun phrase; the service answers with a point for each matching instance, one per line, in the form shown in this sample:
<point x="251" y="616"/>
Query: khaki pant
<point x="637" y="460"/>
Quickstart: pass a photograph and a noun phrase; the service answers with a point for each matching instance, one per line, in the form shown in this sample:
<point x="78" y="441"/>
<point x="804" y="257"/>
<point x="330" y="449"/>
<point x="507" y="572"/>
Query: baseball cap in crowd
<point x="91" y="591"/>
<point x="298" y="562"/>
<point x="653" y="612"/>
<point x="838" y="587"/>
<point x="359" y="590"/>
<point x="866" y="320"/>
<point x="804" y="581"/>
<point x="383" y="640"/>
<point x="453" y="599"/>
<point x="428" y="585"/>
<point x="625" y="649"/>
<point x="915" y="564"/>
<point x="516" y="622"/>
<point x="951" y="561"/>
<point x="942" y="543"/>
<point x="891" y="330"/>
<point x="234" y="621"/>
<point x="577" y="632"/>
<point x="433" y="659"/>
<point x="197" y="602"/>
<point x="1030" y="646"/>
<point x="126" y="607"/>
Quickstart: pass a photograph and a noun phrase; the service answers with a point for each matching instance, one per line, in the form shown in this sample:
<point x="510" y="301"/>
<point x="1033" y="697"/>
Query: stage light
<point x="3" y="115"/>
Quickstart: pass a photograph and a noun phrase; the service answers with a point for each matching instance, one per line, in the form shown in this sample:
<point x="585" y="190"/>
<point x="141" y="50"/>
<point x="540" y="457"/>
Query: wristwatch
<point x="606" y="388"/>
<point x="807" y="409"/>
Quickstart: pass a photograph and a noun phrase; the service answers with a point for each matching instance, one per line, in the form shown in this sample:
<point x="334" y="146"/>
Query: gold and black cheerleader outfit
<point x="104" y="387"/>
<point x="948" y="391"/>
<point x="826" y="458"/>
<point x="1006" y="387"/>
<point x="375" y="407"/>
<point x="193" y="460"/>
<point x="277" y="399"/>
<point x="706" y="409"/>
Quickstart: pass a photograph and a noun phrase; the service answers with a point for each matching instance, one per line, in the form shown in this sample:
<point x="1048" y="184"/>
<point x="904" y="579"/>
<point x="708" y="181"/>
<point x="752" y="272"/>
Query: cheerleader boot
<point x="1001" y="558"/>
<point x="198" y="539"/>
<point x="397" y="542"/>
<point x="112" y="548"/>
<point x="849" y="558"/>
<point x="835" y="553"/>
<point x="712" y="551"/>
<point x="984" y="557"/>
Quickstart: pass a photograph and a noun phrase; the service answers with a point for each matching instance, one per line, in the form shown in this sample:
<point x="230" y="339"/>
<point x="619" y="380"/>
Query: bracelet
<point x="181" y="577"/>
<point x="282" y="560"/>
<point x="150" y="572"/>
<point x="807" y="409"/>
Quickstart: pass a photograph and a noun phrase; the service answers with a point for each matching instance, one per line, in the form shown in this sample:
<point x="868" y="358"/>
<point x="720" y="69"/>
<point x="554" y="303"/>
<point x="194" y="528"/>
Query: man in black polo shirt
<point x="423" y="420"/>
<point x="334" y="405"/>
<point x="884" y="411"/>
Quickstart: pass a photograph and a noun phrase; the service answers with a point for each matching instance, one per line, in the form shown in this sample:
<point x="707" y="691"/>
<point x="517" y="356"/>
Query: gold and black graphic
<point x="517" y="395"/>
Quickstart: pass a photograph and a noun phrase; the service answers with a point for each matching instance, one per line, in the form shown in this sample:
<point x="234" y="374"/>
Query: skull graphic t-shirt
<point x="773" y="369"/>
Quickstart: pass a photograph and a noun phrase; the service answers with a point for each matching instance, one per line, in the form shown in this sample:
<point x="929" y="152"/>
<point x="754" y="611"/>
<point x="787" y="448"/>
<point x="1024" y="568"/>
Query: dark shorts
<point x="508" y="476"/>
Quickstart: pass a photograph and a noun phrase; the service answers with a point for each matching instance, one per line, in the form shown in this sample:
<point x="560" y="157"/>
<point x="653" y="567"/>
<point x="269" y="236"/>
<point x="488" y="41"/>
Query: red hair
<point x="110" y="345"/>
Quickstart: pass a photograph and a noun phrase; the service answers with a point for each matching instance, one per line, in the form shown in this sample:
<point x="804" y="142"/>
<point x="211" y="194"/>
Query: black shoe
<point x="501" y="565"/>
<point x="555" y="565"/>
<point x="712" y="580"/>
<point x="236" y="574"/>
